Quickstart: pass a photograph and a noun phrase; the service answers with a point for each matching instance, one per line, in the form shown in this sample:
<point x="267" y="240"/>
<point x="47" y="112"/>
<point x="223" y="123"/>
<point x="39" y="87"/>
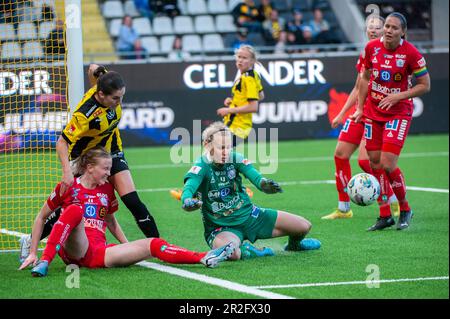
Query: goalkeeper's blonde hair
<point x="211" y="130"/>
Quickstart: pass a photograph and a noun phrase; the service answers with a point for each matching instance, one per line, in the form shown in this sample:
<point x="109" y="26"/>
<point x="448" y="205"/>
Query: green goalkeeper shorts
<point x="259" y="225"/>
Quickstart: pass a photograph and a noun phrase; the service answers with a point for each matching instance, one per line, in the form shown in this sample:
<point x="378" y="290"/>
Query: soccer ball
<point x="363" y="189"/>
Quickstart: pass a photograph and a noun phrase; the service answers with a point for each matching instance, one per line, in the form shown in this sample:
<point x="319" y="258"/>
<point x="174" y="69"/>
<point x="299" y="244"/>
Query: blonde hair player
<point x="214" y="184"/>
<point x="88" y="208"/>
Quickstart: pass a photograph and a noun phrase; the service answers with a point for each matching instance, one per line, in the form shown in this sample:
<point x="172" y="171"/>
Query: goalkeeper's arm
<point x="187" y="198"/>
<point x="265" y="185"/>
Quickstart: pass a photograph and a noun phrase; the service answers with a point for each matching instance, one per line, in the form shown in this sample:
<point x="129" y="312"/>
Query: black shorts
<point x="119" y="163"/>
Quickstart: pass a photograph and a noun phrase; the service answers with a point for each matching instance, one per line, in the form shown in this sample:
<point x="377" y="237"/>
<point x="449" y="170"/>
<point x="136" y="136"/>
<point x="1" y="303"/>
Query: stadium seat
<point x="113" y="9"/>
<point x="182" y="7"/>
<point x="7" y="32"/>
<point x="213" y="42"/>
<point x="26" y="31"/>
<point x="301" y="4"/>
<point x="33" y="49"/>
<point x="45" y="28"/>
<point x="192" y="43"/>
<point x="225" y="23"/>
<point x="11" y="50"/>
<point x="232" y="4"/>
<point x="151" y="44"/>
<point x="162" y="25"/>
<point x="195" y="7"/>
<point x="114" y="27"/>
<point x="217" y="6"/>
<point x="280" y="5"/>
<point x="166" y="43"/>
<point x="142" y="26"/>
<point x="130" y="9"/>
<point x="256" y="39"/>
<point x="183" y="25"/>
<point x="204" y="24"/>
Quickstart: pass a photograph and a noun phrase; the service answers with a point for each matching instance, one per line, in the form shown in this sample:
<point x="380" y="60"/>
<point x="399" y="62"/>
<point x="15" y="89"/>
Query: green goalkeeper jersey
<point x="225" y="200"/>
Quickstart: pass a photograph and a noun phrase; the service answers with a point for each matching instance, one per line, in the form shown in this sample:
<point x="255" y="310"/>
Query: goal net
<point x="33" y="110"/>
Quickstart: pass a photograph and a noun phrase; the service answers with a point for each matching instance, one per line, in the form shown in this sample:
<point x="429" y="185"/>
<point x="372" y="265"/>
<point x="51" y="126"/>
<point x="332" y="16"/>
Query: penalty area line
<point x="345" y="283"/>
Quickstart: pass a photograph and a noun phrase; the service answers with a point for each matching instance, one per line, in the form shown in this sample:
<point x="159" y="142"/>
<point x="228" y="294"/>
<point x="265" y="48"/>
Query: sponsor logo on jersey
<point x="386" y="64"/>
<point x="374" y="60"/>
<point x="383" y="89"/>
<point x="390" y="134"/>
<point x="400" y="63"/>
<point x="401" y="132"/>
<point x="90" y="211"/>
<point x="388" y="56"/>
<point x="375" y="51"/>
<point x="102" y="212"/>
<point x="195" y="170"/>
<point x="97" y="113"/>
<point x="385" y="76"/>
<point x="398" y="77"/>
<point x="104" y="201"/>
<point x="421" y="62"/>
<point x="92" y="109"/>
<point x="400" y="56"/>
<point x="375" y="73"/>
<point x="94" y="223"/>
<point x="52" y="195"/>
<point x="225" y="192"/>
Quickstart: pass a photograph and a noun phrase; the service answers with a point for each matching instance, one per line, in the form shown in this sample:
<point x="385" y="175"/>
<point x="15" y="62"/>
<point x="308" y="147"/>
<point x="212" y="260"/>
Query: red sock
<point x="365" y="166"/>
<point x="164" y="251"/>
<point x="399" y="187"/>
<point x="68" y="220"/>
<point x="343" y="174"/>
<point x="383" y="199"/>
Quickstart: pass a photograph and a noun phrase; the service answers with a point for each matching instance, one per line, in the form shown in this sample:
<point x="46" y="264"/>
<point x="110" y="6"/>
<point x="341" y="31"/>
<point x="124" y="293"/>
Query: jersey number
<point x="368" y="131"/>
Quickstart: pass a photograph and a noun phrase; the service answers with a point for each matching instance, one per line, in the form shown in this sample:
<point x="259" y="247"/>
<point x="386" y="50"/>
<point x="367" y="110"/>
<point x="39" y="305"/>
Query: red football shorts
<point x="387" y="136"/>
<point x="94" y="258"/>
<point x="352" y="132"/>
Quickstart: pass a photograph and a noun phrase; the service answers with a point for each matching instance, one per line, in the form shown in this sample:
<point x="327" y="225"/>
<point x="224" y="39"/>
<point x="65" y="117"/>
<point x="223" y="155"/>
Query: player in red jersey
<point x="385" y="105"/>
<point x="351" y="137"/>
<point x="88" y="208"/>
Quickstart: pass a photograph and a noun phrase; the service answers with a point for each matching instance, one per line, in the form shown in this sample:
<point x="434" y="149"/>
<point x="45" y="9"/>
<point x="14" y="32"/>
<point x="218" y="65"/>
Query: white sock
<point x="344" y="206"/>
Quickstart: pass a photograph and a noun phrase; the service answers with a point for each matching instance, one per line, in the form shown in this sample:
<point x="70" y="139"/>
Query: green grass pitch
<point x="349" y="253"/>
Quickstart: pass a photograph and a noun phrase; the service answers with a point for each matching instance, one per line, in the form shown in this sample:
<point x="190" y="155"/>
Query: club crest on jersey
<point x="90" y="211"/>
<point x="400" y="63"/>
<point x="110" y="114"/>
<point x="104" y="201"/>
<point x="231" y="173"/>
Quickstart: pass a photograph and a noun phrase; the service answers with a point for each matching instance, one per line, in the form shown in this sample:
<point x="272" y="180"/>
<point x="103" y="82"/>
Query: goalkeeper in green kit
<point x="214" y="184"/>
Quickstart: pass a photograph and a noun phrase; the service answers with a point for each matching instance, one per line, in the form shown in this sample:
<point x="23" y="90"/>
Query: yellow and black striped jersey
<point x="245" y="89"/>
<point x="91" y="125"/>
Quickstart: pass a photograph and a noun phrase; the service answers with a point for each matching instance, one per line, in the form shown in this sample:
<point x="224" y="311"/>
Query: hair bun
<point x="100" y="71"/>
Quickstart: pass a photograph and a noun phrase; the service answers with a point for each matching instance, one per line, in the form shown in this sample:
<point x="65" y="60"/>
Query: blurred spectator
<point x="241" y="39"/>
<point x="309" y="40"/>
<point x="318" y="24"/>
<point x="47" y="13"/>
<point x="167" y="7"/>
<point x="26" y="11"/>
<point x="246" y="15"/>
<point x="128" y="41"/>
<point x="177" y="52"/>
<point x="54" y="44"/>
<point x="273" y="27"/>
<point x="291" y="40"/>
<point x="265" y="9"/>
<point x="143" y="7"/>
<point x="296" y="26"/>
<point x="280" y="46"/>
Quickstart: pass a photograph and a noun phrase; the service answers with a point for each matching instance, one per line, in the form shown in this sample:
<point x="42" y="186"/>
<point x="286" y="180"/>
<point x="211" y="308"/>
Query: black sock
<point x="140" y="213"/>
<point x="294" y="242"/>
<point x="49" y="222"/>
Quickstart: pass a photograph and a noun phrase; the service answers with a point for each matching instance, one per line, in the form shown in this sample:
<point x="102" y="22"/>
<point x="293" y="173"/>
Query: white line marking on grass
<point x="213" y="281"/>
<point x="344" y="283"/>
<point x="287" y="160"/>
<point x="187" y="274"/>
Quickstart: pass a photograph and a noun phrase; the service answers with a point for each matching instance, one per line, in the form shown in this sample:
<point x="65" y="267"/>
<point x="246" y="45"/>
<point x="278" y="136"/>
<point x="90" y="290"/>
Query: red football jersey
<point x="390" y="72"/>
<point x="95" y="203"/>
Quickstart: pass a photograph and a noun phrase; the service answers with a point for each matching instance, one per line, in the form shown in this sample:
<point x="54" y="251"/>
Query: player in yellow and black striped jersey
<point x="95" y="123"/>
<point x="247" y="91"/>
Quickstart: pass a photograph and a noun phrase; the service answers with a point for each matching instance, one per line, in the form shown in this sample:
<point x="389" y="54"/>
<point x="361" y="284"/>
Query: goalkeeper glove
<point x="270" y="186"/>
<point x="191" y="204"/>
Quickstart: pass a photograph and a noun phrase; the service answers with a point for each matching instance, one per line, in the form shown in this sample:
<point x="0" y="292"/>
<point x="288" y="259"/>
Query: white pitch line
<point x="344" y="283"/>
<point x="286" y="160"/>
<point x="213" y="281"/>
<point x="289" y="183"/>
<point x="189" y="275"/>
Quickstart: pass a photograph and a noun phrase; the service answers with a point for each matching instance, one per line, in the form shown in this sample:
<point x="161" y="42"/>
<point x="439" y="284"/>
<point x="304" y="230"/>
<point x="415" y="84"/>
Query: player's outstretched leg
<point x="249" y="251"/>
<point x="216" y="256"/>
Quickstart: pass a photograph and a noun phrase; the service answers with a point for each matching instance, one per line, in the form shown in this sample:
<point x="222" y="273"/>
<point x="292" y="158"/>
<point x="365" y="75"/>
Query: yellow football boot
<point x="176" y="193"/>
<point x="339" y="214"/>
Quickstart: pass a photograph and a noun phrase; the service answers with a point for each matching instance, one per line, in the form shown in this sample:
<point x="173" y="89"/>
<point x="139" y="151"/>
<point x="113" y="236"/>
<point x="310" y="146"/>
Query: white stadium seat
<point x="45" y="28"/>
<point x="232" y="4"/>
<point x="26" y="31"/>
<point x="166" y="43"/>
<point x="142" y="26"/>
<point x="183" y="25"/>
<point x="7" y="32"/>
<point x="213" y="42"/>
<point x="114" y="27"/>
<point x="225" y="23"/>
<point x="130" y="9"/>
<point x="192" y="43"/>
<point x="33" y="49"/>
<point x="217" y="6"/>
<point x="113" y="9"/>
<point x="11" y="50"/>
<point x="195" y="7"/>
<point x="204" y="24"/>
<point x="151" y="44"/>
<point x="162" y="25"/>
